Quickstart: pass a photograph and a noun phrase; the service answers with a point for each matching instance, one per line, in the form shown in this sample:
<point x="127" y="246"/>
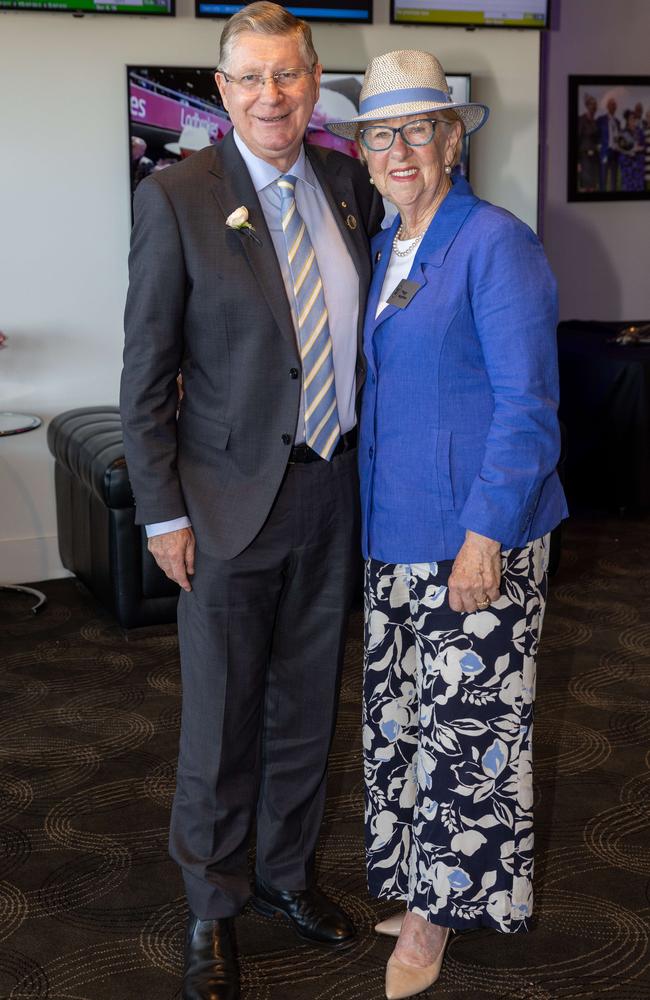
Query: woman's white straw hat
<point x="406" y="82"/>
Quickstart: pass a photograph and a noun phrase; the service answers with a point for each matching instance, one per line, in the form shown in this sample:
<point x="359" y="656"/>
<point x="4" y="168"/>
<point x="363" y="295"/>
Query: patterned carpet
<point x="92" y="909"/>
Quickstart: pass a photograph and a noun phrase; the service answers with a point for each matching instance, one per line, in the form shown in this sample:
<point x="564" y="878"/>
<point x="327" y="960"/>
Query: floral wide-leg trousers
<point x="448" y="718"/>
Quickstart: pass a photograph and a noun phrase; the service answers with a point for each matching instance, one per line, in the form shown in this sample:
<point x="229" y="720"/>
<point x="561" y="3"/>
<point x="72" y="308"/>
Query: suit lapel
<point x="445" y="227"/>
<point x="342" y="199"/>
<point x="231" y="188"/>
<point x="381" y="247"/>
<point x="432" y="250"/>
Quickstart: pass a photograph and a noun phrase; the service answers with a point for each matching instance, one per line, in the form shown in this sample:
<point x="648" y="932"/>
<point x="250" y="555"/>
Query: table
<point x="19" y="423"/>
<point x="605" y="405"/>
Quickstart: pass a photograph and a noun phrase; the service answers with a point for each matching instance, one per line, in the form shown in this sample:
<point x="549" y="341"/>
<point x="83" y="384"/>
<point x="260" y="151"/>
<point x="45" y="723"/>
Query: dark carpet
<point x="91" y="908"/>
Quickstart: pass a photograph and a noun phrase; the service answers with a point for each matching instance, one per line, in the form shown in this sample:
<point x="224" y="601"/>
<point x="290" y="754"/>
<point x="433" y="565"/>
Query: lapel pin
<point x="351" y="222"/>
<point x="377" y="256"/>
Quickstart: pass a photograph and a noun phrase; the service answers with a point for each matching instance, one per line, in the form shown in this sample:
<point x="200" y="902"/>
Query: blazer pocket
<point x="210" y="433"/>
<point x="443" y="466"/>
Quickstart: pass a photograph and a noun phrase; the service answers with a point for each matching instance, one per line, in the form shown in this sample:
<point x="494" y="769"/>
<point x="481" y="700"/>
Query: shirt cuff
<point x="161" y="527"/>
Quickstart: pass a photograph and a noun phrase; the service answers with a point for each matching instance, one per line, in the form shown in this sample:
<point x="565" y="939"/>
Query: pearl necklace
<point x="414" y="239"/>
<point x="409" y="249"/>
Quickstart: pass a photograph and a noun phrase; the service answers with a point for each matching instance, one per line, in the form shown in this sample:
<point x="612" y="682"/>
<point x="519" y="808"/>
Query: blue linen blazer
<point x="459" y="424"/>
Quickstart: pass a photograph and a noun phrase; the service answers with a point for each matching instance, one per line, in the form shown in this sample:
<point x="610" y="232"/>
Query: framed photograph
<point x="609" y="138"/>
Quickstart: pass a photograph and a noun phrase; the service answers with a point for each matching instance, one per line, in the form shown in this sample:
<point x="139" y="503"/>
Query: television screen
<point x="176" y="110"/>
<point x="348" y="11"/>
<point x="156" y="7"/>
<point x="173" y="111"/>
<point x="472" y="13"/>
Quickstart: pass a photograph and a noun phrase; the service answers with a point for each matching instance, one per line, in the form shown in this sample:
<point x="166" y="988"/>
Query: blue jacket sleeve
<point x="514" y="305"/>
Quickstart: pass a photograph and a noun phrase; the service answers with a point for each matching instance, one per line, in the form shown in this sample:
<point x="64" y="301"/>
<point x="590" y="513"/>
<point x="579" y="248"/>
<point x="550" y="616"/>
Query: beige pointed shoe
<point x="408" y="980"/>
<point x="392" y="925"/>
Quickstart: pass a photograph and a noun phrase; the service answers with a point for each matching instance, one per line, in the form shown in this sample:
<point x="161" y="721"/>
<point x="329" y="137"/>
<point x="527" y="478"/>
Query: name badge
<point x="403" y="293"/>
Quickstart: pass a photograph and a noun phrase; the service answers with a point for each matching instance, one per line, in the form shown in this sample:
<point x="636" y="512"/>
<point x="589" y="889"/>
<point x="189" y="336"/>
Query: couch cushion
<point x="88" y="442"/>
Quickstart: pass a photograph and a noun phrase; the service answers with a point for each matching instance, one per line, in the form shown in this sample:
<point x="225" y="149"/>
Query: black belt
<point x="303" y="453"/>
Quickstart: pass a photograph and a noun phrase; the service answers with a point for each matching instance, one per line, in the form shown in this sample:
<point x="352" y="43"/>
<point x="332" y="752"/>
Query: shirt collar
<point x="263" y="174"/>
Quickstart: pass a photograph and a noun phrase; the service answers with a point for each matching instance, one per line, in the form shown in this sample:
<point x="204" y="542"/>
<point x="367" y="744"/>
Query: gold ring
<point x="483" y="604"/>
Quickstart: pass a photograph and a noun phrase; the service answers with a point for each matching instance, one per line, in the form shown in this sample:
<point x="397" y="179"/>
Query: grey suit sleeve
<point x="153" y="351"/>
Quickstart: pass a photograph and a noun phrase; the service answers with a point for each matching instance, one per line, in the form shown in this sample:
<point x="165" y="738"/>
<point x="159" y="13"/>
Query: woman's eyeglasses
<point x="379" y="138"/>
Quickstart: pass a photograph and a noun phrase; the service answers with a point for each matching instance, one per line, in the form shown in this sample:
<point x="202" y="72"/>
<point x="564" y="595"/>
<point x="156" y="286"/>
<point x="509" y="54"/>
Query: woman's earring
<point x="371" y="180"/>
<point x="447" y="168"/>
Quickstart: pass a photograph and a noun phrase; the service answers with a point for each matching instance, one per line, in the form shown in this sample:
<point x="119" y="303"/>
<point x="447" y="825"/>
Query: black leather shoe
<point x="211" y="971"/>
<point x="315" y="918"/>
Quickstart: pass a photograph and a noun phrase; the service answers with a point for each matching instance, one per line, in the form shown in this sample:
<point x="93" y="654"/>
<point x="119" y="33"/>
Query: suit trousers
<point x="261" y="640"/>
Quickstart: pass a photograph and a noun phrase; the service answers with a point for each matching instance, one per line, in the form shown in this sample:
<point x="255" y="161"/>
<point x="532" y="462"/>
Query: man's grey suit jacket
<point x="207" y="300"/>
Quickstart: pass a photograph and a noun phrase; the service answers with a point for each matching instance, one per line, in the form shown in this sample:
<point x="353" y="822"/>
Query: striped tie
<point x="322" y="430"/>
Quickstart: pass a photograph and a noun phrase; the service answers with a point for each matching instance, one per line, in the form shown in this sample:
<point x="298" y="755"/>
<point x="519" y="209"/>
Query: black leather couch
<point x="98" y="539"/>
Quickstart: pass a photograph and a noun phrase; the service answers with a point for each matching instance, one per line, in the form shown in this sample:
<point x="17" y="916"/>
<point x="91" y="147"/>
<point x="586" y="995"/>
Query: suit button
<point x="286" y="439"/>
<point x="371" y="451"/>
<point x="293" y="372"/>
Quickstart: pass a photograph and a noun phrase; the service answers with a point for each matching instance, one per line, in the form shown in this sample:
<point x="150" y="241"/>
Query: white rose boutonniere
<point x="239" y="220"/>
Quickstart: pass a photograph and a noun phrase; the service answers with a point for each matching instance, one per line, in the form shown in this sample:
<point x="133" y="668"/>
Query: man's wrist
<point x="162" y="527"/>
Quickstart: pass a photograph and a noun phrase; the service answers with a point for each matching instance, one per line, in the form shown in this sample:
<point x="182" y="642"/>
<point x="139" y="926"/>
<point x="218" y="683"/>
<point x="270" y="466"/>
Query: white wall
<point x="600" y="251"/>
<point x="65" y="217"/>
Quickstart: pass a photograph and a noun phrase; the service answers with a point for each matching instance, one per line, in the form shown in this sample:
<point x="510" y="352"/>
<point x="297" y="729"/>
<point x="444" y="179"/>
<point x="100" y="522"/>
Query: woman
<point x="458" y="445"/>
<point x="631" y="141"/>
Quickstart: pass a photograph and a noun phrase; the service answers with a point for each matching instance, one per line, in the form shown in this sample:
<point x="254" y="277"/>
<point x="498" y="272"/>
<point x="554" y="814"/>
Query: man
<point x="610" y="128"/>
<point x="141" y="165"/>
<point x="262" y="315"/>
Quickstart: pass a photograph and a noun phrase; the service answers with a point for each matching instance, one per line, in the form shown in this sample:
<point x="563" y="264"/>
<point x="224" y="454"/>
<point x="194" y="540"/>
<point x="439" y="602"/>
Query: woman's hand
<point x="476" y="573"/>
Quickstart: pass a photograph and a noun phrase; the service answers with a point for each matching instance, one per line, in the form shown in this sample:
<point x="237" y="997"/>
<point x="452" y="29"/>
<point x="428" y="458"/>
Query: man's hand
<point x="476" y="573"/>
<point x="174" y="553"/>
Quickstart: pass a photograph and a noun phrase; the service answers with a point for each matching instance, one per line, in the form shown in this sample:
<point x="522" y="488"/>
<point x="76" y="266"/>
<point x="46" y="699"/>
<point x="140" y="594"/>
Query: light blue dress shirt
<point x="337" y="270"/>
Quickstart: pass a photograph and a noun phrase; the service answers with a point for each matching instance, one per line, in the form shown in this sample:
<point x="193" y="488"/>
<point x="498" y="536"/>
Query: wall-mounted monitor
<point x="176" y="110"/>
<point x="173" y="112"/>
<point x="472" y="13"/>
<point x="345" y="11"/>
<point x="159" y="8"/>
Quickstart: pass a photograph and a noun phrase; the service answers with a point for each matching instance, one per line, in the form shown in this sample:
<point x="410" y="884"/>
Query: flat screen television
<point x="472" y="13"/>
<point x="159" y="8"/>
<point x="176" y="110"/>
<point x="346" y="11"/>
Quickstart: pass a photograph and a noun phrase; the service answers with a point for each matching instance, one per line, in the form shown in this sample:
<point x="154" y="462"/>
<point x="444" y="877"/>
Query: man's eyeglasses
<point x="379" y="138"/>
<point x="284" y="79"/>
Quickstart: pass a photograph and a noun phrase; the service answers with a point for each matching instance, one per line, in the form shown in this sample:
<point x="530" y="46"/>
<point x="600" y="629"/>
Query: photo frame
<point x="609" y="138"/>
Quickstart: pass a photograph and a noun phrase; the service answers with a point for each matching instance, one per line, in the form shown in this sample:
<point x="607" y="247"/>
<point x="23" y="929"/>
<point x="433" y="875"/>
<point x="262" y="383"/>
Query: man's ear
<point x="220" y="81"/>
<point x="318" y="72"/>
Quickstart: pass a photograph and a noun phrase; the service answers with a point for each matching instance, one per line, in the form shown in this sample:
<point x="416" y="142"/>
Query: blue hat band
<point x="407" y="96"/>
